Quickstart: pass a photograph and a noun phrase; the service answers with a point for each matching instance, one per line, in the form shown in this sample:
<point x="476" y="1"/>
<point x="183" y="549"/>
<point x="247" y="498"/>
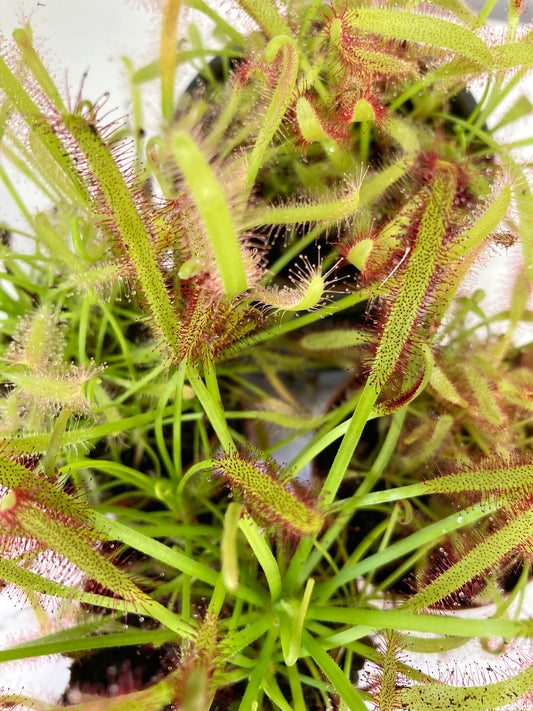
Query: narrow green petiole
<point x="176" y="421"/>
<point x="158" y="426"/>
<point x="349" y="443"/>
<point x="342" y="685"/>
<point x="249" y="700"/>
<point x="364" y="141"/>
<point x="291" y="634"/>
<point x="212" y="409"/>
<point x="170" y="556"/>
<point x="263" y="553"/>
<point x="312" y="558"/>
<point x="10" y="187"/>
<point x="296" y="689"/>
<point x="385" y="453"/>
<point x="300" y="560"/>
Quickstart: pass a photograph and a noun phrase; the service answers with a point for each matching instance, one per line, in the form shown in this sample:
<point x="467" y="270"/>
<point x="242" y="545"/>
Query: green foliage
<point x="307" y="219"/>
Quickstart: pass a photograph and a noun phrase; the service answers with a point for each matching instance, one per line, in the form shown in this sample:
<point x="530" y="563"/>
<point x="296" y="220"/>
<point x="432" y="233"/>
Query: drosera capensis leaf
<point x="333" y="339"/>
<point x="267" y="16"/>
<point x="377" y="184"/>
<point x="267" y="498"/>
<point x="77" y="548"/>
<point x="510" y="537"/>
<point x="312" y="130"/>
<point x="19" y="473"/>
<point x="496" y="694"/>
<point x="308" y="122"/>
<point x="416" y="27"/>
<point x="329" y="212"/>
<point x="508" y="56"/>
<point x="389" y="673"/>
<point x="520" y="108"/>
<point x="23" y="38"/>
<point x="308" y="291"/>
<point x="445" y="388"/>
<point x="42" y="131"/>
<point x="483" y="396"/>
<point x="19" y="576"/>
<point x="128" y="223"/>
<point x="214" y="211"/>
<point x="285" y="46"/>
<point x="474" y="235"/>
<point x="400" y="327"/>
<point x="368" y="61"/>
<point x="492" y="478"/>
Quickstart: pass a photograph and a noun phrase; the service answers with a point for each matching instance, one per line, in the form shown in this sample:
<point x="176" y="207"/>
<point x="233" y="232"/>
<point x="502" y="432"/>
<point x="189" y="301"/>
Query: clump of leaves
<point x="315" y="211"/>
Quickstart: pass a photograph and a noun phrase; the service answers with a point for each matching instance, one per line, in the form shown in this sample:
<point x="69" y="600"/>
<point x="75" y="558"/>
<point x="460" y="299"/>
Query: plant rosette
<point x="317" y="211"/>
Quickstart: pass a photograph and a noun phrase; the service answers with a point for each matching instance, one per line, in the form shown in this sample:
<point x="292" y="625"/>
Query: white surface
<point x="75" y="37"/>
<point x="473" y="664"/>
<point x="87" y="36"/>
<point x="44" y="677"/>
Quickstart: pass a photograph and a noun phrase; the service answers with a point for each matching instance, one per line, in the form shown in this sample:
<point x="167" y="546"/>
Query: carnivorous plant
<point x="306" y="215"/>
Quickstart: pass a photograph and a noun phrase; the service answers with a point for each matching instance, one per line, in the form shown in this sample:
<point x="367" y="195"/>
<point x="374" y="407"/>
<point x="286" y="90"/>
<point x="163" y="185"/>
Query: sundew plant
<point x="305" y="215"/>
